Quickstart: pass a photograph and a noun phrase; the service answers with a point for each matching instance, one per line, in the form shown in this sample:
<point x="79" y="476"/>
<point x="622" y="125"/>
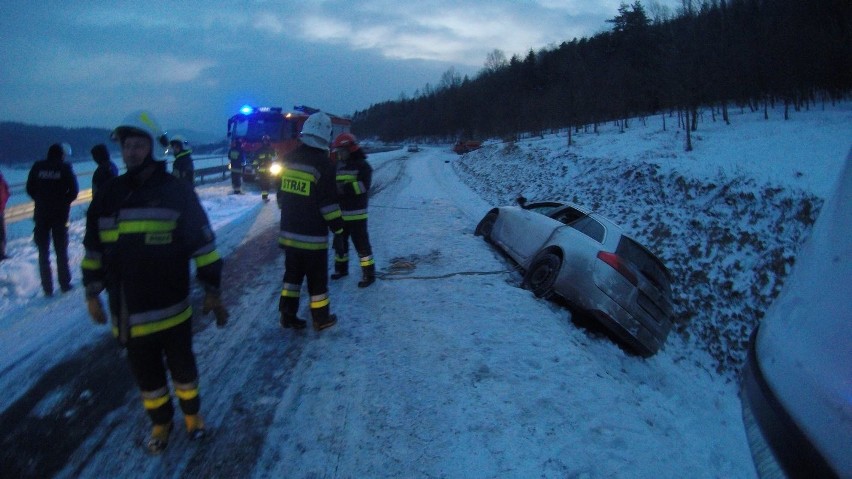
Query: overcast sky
<point x="193" y="63"/>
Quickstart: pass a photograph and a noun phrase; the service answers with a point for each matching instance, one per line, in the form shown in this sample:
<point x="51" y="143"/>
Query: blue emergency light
<point x="246" y="110"/>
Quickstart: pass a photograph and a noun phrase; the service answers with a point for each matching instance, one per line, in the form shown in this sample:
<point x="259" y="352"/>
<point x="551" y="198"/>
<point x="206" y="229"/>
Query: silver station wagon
<point x="591" y="263"/>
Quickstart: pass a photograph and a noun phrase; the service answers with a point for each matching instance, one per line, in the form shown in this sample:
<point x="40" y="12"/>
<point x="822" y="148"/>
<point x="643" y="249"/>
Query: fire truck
<point x="247" y="128"/>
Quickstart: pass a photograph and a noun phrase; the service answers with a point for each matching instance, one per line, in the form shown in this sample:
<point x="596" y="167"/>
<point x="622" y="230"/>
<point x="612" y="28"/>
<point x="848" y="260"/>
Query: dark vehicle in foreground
<point x="797" y="383"/>
<point x="591" y="263"/>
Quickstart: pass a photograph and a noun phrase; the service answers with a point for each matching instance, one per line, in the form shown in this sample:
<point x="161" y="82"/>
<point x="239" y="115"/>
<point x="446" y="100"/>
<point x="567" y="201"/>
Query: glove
<point x="96" y="309"/>
<point x="212" y="302"/>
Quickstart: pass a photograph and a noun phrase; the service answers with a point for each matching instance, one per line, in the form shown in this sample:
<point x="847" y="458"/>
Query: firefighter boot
<point x="292" y="321"/>
<point x="368" y="276"/>
<point x="341" y="269"/>
<point x="322" y="318"/>
<point x="194" y="426"/>
<point x="159" y="438"/>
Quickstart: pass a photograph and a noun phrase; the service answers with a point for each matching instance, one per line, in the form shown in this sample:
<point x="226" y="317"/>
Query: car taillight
<point x="619" y="265"/>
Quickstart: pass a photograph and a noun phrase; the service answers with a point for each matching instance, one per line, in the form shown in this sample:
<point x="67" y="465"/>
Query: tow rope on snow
<point x="399" y="268"/>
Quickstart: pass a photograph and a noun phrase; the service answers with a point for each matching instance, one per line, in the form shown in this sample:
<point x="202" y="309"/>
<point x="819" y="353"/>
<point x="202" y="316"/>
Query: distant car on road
<point x="413" y="148"/>
<point x="797" y="382"/>
<point x="591" y="263"/>
<point x="461" y="147"/>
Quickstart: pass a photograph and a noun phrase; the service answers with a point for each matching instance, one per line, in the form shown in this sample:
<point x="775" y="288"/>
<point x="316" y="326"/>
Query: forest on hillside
<point x="718" y="53"/>
<point x="20" y="142"/>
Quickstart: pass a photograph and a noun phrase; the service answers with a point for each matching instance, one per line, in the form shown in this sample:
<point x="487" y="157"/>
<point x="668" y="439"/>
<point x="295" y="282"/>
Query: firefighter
<point x="142" y="230"/>
<point x="263" y="160"/>
<point x="308" y="201"/>
<point x="53" y="185"/>
<point x="183" y="167"/>
<point x="354" y="176"/>
<point x="237" y="160"/>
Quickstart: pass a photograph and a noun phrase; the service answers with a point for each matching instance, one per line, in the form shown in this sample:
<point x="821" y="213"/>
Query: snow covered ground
<point x="445" y="367"/>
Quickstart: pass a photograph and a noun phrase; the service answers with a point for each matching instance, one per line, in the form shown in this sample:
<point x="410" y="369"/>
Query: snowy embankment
<point x="727" y="218"/>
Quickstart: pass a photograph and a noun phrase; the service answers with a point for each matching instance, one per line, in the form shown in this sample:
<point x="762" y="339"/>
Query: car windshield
<point x="255" y="127"/>
<point x="650" y="266"/>
<point x="546" y="208"/>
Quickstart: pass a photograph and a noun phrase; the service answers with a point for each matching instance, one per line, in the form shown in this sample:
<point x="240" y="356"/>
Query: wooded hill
<point x="22" y="143"/>
<point x="746" y="53"/>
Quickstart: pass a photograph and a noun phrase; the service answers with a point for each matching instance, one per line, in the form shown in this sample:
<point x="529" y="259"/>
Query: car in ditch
<point x="591" y="263"/>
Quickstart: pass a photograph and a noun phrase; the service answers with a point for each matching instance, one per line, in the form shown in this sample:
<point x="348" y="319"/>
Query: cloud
<point x="118" y="69"/>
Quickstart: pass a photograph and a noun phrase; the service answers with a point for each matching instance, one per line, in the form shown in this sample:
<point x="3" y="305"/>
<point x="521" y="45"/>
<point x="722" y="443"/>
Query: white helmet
<point x="143" y="123"/>
<point x="316" y="131"/>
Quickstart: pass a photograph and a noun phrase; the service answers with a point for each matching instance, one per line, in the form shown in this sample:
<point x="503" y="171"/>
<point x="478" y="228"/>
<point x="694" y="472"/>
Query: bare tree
<point x="450" y="78"/>
<point x="495" y="60"/>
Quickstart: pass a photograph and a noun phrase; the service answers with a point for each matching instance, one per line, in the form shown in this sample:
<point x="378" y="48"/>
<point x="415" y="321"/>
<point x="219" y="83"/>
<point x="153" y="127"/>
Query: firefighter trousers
<point x="357" y="230"/>
<point x="300" y="264"/>
<point x="150" y="358"/>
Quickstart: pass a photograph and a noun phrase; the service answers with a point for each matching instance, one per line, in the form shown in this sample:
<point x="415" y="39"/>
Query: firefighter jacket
<point x="53" y="186"/>
<point x="307" y="197"/>
<point x="142" y="230"/>
<point x="183" y="167"/>
<point x="263" y="158"/>
<point x="353" y="186"/>
<point x="237" y="158"/>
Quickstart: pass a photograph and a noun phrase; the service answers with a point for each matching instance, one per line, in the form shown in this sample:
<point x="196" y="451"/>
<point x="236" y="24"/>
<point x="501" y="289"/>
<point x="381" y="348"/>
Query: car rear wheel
<point x="486" y="226"/>
<point x="542" y="274"/>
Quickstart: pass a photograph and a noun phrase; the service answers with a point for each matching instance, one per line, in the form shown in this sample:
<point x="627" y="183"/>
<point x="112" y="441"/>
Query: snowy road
<point x="443" y="368"/>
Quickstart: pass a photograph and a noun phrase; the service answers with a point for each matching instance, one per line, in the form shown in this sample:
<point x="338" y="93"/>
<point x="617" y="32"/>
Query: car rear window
<point x="589" y="227"/>
<point x="650" y="266"/>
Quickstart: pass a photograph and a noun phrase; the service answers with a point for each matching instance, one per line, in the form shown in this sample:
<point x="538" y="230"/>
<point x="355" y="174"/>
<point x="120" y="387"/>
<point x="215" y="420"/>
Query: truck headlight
<point x="275" y="168"/>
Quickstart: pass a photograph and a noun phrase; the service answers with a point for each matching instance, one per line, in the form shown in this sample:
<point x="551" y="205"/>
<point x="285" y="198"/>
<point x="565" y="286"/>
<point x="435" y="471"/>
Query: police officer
<point x="308" y="201"/>
<point x="142" y="231"/>
<point x="53" y="186"/>
<point x="354" y="176"/>
<point x="183" y="167"/>
<point x="263" y="160"/>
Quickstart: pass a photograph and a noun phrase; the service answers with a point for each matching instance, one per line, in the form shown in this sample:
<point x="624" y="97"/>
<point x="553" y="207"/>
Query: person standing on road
<point x="308" y="201"/>
<point x="143" y="229"/>
<point x="237" y="159"/>
<point x="106" y="169"/>
<point x="263" y="161"/>
<point x="53" y="186"/>
<point x="354" y="176"/>
<point x="183" y="167"/>
<point x="4" y="198"/>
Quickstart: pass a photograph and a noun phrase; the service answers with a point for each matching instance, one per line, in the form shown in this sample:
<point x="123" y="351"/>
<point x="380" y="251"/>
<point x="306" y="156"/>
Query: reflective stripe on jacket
<point x="139" y="241"/>
<point x="308" y="199"/>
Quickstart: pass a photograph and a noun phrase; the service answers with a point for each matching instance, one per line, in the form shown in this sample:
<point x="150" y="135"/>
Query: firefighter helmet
<point x="346" y="141"/>
<point x="316" y="131"/>
<point x="180" y="140"/>
<point x="142" y="123"/>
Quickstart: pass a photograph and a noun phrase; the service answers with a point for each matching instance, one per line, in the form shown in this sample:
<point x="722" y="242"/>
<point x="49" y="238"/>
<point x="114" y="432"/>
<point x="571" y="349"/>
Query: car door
<point x="525" y="232"/>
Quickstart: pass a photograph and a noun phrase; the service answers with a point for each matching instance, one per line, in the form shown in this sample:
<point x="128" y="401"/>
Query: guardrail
<point x="24" y="211"/>
<point x="201" y="173"/>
